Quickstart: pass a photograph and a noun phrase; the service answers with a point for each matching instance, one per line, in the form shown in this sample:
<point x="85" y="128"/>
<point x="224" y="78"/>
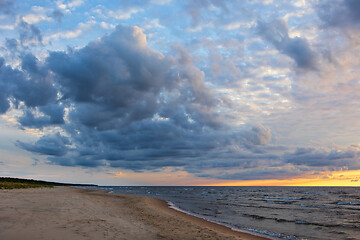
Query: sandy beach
<point x="70" y="213"/>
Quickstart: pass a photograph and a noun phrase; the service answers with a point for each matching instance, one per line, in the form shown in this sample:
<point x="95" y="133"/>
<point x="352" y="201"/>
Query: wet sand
<point x="70" y="213"/>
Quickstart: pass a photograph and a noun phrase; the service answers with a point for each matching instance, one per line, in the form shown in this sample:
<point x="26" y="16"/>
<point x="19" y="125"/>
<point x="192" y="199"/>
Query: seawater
<point x="278" y="212"/>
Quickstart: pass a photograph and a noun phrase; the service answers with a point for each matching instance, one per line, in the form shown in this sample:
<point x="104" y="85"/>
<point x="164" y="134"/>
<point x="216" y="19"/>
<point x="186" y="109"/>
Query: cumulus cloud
<point x="127" y="106"/>
<point x="129" y="102"/>
<point x="297" y="48"/>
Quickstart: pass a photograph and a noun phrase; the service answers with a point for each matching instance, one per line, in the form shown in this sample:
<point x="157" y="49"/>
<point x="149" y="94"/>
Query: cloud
<point x="35" y="88"/>
<point x="7" y="27"/>
<point x="75" y="161"/>
<point x="119" y="103"/>
<point x="152" y="24"/>
<point x="54" y="145"/>
<point x="160" y="2"/>
<point x="29" y="33"/>
<point x="70" y="5"/>
<point x="30" y="85"/>
<point x="57" y="15"/>
<point x="127" y="106"/>
<point x="267" y="173"/>
<point x="11" y="44"/>
<point x="7" y="6"/>
<point x="257" y="135"/>
<point x="195" y="9"/>
<point x="38" y="14"/>
<point x="75" y="3"/>
<point x="5" y="89"/>
<point x="320" y="158"/>
<point x="79" y="30"/>
<point x="276" y="32"/>
<point x="339" y="13"/>
<point x="129" y="102"/>
<point x="123" y="14"/>
<point x="52" y="115"/>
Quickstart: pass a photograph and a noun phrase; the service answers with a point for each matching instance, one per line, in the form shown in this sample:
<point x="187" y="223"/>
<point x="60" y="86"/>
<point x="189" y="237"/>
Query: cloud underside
<point x="120" y="103"/>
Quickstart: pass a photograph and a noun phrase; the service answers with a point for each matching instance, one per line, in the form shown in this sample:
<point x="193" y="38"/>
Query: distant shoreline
<point x="74" y="213"/>
<point x="15" y="183"/>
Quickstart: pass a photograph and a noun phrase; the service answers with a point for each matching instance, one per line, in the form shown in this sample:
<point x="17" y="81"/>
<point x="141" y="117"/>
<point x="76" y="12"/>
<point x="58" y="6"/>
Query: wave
<point x="311" y="206"/>
<point x="258" y="217"/>
<point x="282" y="198"/>
<point x="246" y="230"/>
<point x="348" y="203"/>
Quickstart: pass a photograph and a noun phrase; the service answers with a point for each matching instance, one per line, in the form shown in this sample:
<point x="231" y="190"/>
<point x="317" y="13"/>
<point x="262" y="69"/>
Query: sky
<point x="166" y="92"/>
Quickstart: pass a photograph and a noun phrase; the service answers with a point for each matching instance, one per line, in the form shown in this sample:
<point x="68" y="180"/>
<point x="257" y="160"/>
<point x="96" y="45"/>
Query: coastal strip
<point x="72" y="213"/>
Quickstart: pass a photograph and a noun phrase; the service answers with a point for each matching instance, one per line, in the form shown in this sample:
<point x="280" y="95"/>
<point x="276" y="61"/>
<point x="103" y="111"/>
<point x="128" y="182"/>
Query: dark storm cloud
<point x="339" y="13"/>
<point x="317" y="158"/>
<point x="276" y="32"/>
<point x="55" y="145"/>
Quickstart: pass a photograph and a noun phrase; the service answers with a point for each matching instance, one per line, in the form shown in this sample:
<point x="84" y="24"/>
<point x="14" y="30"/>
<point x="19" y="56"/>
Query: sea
<point x="276" y="212"/>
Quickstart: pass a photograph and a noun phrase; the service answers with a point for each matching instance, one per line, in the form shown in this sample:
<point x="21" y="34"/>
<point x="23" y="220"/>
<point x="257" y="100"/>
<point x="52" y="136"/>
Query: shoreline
<point x="75" y="213"/>
<point x="232" y="228"/>
<point x="171" y="205"/>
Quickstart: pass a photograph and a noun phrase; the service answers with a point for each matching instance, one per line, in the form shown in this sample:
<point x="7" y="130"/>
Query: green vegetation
<point x="15" y="183"/>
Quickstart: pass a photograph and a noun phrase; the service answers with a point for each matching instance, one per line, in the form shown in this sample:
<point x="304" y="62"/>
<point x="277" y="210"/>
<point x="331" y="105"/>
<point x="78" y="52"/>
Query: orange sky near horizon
<point x="349" y="178"/>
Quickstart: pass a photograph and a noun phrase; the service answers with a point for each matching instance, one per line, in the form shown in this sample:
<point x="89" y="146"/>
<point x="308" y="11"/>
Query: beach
<point x="72" y="213"/>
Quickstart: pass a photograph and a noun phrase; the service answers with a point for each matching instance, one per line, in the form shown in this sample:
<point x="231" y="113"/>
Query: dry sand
<point x="70" y="213"/>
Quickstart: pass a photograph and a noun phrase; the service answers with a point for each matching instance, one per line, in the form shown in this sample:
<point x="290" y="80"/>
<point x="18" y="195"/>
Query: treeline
<point x="13" y="183"/>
